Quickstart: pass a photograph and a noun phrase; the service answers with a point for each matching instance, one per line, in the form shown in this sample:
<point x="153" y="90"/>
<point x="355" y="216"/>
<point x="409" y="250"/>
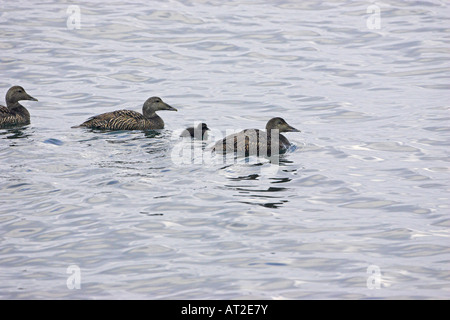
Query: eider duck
<point x="198" y="132"/>
<point x="14" y="113"/>
<point x="130" y="120"/>
<point x="258" y="142"/>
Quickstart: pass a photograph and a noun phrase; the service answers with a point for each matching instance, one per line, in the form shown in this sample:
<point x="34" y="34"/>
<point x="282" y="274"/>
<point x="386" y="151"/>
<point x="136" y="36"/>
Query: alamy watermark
<point x="74" y="18"/>
<point x="74" y="280"/>
<point x="373" y="22"/>
<point x="249" y="146"/>
<point x="374" y="278"/>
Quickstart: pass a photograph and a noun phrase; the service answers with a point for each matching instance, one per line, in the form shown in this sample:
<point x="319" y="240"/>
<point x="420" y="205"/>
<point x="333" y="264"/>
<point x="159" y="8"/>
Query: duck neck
<point x="16" y="107"/>
<point x="275" y="132"/>
<point x="155" y="119"/>
<point x="275" y="136"/>
<point x="149" y="113"/>
<point x="13" y="105"/>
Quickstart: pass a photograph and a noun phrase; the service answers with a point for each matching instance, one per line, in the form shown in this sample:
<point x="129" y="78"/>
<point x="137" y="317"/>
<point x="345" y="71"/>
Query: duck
<point x="14" y="114"/>
<point x="129" y="119"/>
<point x="257" y="142"/>
<point x="200" y="131"/>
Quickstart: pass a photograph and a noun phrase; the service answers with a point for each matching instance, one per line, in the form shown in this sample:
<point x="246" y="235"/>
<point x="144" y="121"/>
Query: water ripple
<point x="364" y="184"/>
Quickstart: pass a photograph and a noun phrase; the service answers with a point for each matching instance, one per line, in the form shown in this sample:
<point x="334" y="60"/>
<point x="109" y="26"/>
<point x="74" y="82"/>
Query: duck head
<point x="281" y="125"/>
<point x="16" y="94"/>
<point x="154" y="104"/>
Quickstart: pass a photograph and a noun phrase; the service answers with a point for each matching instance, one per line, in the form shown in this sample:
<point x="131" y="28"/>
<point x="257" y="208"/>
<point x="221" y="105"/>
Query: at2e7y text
<point x="245" y="309"/>
<point x="230" y="309"/>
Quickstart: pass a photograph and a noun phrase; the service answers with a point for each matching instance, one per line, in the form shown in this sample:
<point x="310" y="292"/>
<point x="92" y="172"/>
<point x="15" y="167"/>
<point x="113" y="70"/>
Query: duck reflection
<point x="15" y="133"/>
<point x="136" y="153"/>
<point x="257" y="188"/>
<point x="152" y="133"/>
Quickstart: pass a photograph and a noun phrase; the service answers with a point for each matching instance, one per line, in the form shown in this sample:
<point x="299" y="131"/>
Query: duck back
<point x="123" y="120"/>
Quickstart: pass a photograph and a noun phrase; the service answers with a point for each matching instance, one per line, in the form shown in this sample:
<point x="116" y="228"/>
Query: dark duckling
<point x="130" y="120"/>
<point x="200" y="131"/>
<point x="258" y="142"/>
<point x="14" y="114"/>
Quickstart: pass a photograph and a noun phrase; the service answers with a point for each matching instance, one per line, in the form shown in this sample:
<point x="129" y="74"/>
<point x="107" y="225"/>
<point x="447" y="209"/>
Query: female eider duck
<point x="258" y="142"/>
<point x="129" y="119"/>
<point x="14" y="114"/>
<point x="198" y="132"/>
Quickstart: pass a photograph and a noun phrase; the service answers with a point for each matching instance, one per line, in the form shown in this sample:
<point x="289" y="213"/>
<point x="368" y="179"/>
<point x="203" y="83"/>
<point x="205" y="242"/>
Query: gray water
<point x="357" y="209"/>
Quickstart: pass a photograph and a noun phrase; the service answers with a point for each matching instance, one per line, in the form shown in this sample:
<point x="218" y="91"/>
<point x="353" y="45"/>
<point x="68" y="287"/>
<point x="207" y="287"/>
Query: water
<point x="357" y="209"/>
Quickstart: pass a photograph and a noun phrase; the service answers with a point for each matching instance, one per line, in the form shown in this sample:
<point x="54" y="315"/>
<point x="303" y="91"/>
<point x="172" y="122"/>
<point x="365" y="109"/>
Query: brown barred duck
<point x="129" y="119"/>
<point x="14" y="114"/>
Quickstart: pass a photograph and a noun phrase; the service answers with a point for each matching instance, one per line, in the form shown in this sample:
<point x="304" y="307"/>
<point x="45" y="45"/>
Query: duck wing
<point x="4" y="111"/>
<point x="8" y="118"/>
<point x="115" y="120"/>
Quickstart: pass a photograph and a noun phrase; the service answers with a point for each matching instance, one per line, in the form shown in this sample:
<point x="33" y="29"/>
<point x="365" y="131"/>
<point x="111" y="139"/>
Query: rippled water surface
<point x="357" y="209"/>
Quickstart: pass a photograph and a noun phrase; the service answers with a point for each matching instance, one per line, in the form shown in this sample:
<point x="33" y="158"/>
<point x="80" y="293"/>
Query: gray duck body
<point x="258" y="142"/>
<point x="129" y="119"/>
<point x="14" y="114"/>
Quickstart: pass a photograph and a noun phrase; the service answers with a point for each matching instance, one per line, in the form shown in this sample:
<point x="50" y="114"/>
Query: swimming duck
<point x="129" y="119"/>
<point x="254" y="141"/>
<point x="14" y="113"/>
<point x="199" y="131"/>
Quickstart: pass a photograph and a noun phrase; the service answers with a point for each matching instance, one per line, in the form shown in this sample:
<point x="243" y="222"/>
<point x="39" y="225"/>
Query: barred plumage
<point x="13" y="118"/>
<point x="129" y="119"/>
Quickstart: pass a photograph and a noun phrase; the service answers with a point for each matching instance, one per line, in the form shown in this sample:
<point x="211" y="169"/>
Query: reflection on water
<point x="256" y="188"/>
<point x="16" y="133"/>
<point x="147" y="214"/>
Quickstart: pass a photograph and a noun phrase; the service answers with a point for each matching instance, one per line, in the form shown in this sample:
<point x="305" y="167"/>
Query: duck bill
<point x="292" y="129"/>
<point x="31" y="98"/>
<point x="170" y="108"/>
